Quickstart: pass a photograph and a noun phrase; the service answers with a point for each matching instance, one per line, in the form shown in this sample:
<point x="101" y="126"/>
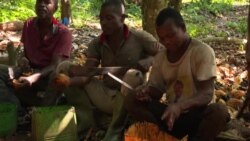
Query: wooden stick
<point x="88" y="134"/>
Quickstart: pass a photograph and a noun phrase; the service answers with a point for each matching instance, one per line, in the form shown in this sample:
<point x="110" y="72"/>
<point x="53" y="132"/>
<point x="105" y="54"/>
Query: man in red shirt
<point x="46" y="43"/>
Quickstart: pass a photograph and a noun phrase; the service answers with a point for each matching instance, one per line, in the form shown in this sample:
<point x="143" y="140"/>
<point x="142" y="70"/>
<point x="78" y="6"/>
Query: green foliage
<point x="199" y="14"/>
<point x="82" y="10"/>
<point x="213" y="6"/>
<point x="134" y="11"/>
<point x="88" y="10"/>
<point x="16" y="10"/>
<point x="196" y="30"/>
<point x="239" y="26"/>
<point x="85" y="10"/>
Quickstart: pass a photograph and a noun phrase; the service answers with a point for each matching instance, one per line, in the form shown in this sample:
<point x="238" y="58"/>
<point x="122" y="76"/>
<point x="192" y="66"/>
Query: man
<point x="46" y="42"/>
<point x="190" y="64"/>
<point x="116" y="46"/>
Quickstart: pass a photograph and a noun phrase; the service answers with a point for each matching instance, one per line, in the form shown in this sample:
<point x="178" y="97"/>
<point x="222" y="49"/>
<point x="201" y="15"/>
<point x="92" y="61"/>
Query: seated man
<point x="117" y="46"/>
<point x="185" y="71"/>
<point x="46" y="42"/>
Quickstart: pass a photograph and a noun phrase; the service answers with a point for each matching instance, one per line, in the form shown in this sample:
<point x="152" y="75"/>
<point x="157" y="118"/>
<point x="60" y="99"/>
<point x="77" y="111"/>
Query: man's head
<point x="170" y="28"/>
<point x="46" y="8"/>
<point x="112" y="16"/>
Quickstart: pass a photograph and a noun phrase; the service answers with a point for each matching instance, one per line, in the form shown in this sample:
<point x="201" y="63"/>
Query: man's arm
<point x="145" y="63"/>
<point x="82" y="80"/>
<point x="204" y="95"/>
<point x="150" y="47"/>
<point x="156" y="84"/>
<point x="93" y="60"/>
<point x="205" y="90"/>
<point x="44" y="72"/>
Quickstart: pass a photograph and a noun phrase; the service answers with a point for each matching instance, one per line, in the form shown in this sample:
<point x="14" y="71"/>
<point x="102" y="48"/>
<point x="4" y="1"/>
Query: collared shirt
<point x="136" y="45"/>
<point x="40" y="52"/>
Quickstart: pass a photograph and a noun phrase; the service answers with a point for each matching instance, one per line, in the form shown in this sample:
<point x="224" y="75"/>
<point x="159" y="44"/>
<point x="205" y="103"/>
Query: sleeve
<point x="150" y="44"/>
<point x="93" y="50"/>
<point x="156" y="79"/>
<point x="204" y="65"/>
<point x="64" y="45"/>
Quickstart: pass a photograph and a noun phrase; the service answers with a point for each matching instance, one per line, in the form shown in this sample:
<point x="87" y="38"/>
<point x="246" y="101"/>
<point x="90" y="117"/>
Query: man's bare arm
<point x="29" y="80"/>
<point x="82" y="80"/>
<point x="205" y="90"/>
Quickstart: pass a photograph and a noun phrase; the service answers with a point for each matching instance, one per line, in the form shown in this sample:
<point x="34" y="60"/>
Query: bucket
<point x="57" y="123"/>
<point x="8" y="119"/>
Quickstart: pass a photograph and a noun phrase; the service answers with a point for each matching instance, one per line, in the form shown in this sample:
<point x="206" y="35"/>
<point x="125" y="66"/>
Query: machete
<point x="120" y="81"/>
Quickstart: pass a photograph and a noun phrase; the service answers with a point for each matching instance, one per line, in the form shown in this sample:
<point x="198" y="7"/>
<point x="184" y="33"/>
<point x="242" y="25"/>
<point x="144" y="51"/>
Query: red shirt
<point x="40" y="52"/>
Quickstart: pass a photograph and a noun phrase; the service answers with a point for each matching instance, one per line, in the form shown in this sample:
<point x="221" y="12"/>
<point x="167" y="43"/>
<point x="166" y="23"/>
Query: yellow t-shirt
<point x="179" y="79"/>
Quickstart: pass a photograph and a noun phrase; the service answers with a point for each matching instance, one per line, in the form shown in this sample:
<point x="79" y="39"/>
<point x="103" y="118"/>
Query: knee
<point x="134" y="78"/>
<point x="218" y="112"/>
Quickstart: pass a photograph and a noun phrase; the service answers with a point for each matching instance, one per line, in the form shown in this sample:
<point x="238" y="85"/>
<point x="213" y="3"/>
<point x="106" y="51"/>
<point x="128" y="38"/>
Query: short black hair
<point x="117" y="4"/>
<point x="169" y="13"/>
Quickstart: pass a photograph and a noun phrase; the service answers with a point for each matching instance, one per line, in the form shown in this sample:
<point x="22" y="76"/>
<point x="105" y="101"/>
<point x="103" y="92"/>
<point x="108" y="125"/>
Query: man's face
<point x="110" y="20"/>
<point x="171" y="35"/>
<point x="45" y="8"/>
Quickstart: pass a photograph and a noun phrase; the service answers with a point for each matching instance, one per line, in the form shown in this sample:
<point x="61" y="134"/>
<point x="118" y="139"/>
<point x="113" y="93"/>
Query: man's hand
<point x="142" y="93"/>
<point x="17" y="84"/>
<point x="171" y="114"/>
<point x="29" y="80"/>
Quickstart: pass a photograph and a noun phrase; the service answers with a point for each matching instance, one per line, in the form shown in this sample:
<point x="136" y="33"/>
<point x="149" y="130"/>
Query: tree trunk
<point x="150" y="10"/>
<point x="176" y="4"/>
<point x="65" y="11"/>
<point x="247" y="100"/>
<point x="248" y="37"/>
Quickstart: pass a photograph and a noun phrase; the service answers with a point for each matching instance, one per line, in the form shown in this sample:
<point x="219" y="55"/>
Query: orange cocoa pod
<point x="144" y="131"/>
<point x="61" y="81"/>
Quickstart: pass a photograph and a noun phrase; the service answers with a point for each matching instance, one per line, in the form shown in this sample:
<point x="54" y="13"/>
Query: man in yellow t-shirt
<point x="185" y="71"/>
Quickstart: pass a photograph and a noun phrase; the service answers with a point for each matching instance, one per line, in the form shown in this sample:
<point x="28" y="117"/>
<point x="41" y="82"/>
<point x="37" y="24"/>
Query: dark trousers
<point x="200" y="124"/>
<point x="26" y="96"/>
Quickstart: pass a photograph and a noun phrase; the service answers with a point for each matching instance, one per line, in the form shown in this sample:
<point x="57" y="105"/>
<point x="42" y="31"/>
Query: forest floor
<point x="231" y="83"/>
